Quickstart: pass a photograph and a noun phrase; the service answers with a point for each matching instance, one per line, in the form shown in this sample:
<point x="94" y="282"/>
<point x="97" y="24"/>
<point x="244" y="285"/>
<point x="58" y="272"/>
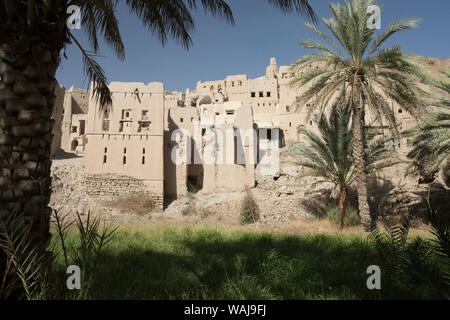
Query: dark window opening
<point x="261" y="94"/>
<point x="143" y="160"/>
<point x="104" y="159"/>
<point x="400" y="111"/>
<point x="126" y="114"/>
<point x="82" y="127"/>
<point x="253" y="94"/>
<point x="105" y="125"/>
<point x="268" y="94"/>
<point x="74" y="145"/>
<point x="124" y="160"/>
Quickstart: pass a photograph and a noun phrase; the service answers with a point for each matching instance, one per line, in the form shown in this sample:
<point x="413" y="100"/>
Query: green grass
<point x="176" y="263"/>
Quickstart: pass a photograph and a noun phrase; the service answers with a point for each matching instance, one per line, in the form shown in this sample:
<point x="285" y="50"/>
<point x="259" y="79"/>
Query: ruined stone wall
<point x="109" y="187"/>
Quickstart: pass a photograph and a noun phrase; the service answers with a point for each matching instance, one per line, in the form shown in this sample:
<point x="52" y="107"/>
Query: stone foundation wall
<point x="108" y="187"/>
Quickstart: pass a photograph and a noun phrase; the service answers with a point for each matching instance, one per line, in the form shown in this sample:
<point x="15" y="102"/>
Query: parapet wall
<point x="109" y="187"/>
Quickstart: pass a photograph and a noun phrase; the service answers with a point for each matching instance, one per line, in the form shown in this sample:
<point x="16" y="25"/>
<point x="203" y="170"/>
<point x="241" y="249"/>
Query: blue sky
<point x="261" y="32"/>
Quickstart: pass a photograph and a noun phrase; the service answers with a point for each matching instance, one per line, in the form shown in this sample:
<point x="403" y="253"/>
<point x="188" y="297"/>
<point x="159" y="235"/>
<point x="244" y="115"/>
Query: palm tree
<point x="329" y="155"/>
<point x="431" y="138"/>
<point x="33" y="36"/>
<point x="355" y="67"/>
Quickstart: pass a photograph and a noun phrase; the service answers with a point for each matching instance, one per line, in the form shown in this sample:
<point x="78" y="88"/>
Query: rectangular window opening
<point x="105" y="125"/>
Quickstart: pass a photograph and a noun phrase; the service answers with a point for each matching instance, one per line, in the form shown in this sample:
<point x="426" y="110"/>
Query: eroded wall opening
<point x="74" y="145"/>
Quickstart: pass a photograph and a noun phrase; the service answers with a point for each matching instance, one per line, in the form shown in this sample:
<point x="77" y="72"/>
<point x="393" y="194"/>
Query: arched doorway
<point x="74" y="145"/>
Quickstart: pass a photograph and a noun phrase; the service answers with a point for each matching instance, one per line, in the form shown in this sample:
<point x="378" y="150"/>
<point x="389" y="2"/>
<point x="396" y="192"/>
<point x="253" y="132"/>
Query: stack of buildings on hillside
<point x="175" y="142"/>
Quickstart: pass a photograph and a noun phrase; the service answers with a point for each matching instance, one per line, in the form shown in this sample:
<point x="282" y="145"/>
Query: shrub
<point x="32" y="272"/>
<point x="440" y="228"/>
<point x="139" y="204"/>
<point x="23" y="264"/>
<point x="93" y="237"/>
<point x="409" y="264"/>
<point x="249" y="209"/>
<point x="332" y="212"/>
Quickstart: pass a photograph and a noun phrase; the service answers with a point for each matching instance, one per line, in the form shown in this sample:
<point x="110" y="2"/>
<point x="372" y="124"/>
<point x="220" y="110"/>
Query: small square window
<point x="268" y="94"/>
<point x="181" y="119"/>
<point x="253" y="94"/>
<point x="105" y="125"/>
<point x="261" y="94"/>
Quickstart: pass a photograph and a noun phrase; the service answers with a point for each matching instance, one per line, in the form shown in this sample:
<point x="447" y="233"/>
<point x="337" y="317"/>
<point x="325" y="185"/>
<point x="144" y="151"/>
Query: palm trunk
<point x="360" y="165"/>
<point x="343" y="205"/>
<point x="29" y="57"/>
